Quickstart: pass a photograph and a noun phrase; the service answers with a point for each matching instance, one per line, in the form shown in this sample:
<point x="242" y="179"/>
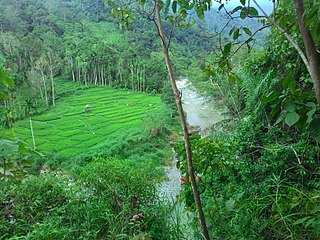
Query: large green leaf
<point x="8" y="147"/>
<point x="291" y="118"/>
<point x="174" y="6"/>
<point x="252" y="11"/>
<point x="311" y="112"/>
<point x="301" y="220"/>
<point x="143" y="2"/>
<point x="247" y="31"/>
<point x="289" y="106"/>
<point x="314" y="128"/>
<point x="243" y="13"/>
<point x="226" y="50"/>
<point x="270" y="97"/>
<point x="236" y="9"/>
<point x="236" y="34"/>
<point x="280" y="119"/>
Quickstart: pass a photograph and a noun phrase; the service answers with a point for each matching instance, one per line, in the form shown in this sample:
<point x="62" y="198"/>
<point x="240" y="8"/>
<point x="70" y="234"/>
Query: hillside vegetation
<point x="94" y="117"/>
<point x="89" y="119"/>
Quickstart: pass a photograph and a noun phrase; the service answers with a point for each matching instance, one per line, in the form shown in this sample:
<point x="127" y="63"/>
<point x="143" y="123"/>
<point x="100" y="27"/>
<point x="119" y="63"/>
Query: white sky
<point x="265" y="4"/>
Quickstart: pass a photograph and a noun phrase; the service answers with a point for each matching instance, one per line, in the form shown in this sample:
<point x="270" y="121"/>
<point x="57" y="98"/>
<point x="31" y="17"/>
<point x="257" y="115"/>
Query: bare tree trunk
<point x="144" y="79"/>
<point x="51" y="78"/>
<point x="101" y="74"/>
<point x="311" y="51"/>
<point x="95" y="75"/>
<point x="53" y="89"/>
<point x="32" y="133"/>
<point x="45" y="88"/>
<point x="131" y="70"/>
<point x="183" y="121"/>
<point x="138" y="78"/>
<point x="73" y="77"/>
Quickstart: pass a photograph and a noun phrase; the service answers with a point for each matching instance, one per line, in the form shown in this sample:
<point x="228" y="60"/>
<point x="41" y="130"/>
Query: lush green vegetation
<point x="259" y="176"/>
<point x="122" y="137"/>
<point x="84" y="131"/>
<point x="93" y="117"/>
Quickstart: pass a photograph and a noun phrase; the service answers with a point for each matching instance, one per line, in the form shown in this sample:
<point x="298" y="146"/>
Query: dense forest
<point x="90" y="113"/>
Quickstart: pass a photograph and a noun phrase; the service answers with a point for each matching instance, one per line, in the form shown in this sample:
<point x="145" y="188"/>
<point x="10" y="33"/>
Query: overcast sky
<point x="266" y="4"/>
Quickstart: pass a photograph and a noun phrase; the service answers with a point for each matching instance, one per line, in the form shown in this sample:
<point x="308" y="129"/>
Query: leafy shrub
<point x="111" y="199"/>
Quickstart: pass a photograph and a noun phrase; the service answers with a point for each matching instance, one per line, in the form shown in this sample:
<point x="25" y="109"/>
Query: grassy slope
<point x="67" y="130"/>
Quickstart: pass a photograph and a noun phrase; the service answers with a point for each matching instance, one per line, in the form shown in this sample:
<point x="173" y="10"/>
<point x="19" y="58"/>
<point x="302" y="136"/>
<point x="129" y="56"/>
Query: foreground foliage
<point x="117" y="202"/>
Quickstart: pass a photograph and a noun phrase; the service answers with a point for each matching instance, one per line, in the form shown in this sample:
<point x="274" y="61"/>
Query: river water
<point x="201" y="113"/>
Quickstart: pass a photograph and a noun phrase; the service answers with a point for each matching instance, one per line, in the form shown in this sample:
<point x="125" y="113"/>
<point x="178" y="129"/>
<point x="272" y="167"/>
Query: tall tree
<point x="310" y="48"/>
<point x="156" y="17"/>
<point x="177" y="95"/>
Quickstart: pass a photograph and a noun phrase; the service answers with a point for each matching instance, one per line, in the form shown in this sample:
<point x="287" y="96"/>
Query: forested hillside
<point x="90" y="112"/>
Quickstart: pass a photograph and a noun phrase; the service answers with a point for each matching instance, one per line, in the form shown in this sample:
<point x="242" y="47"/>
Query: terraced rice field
<point x="68" y="130"/>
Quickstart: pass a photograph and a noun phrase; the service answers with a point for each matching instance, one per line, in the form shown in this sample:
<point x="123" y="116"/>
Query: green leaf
<point x="301" y="220"/>
<point x="247" y="31"/>
<point x="5" y="80"/>
<point x="243" y="13"/>
<point x="174" y="6"/>
<point x="289" y="106"/>
<point x="226" y="50"/>
<point x="280" y="119"/>
<point x="220" y="7"/>
<point x="116" y="12"/>
<point x="314" y="128"/>
<point x="287" y="79"/>
<point x="236" y="9"/>
<point x="230" y="205"/>
<point x="243" y="2"/>
<point x="310" y="115"/>
<point x="270" y="97"/>
<point x="311" y="105"/>
<point x="292" y="86"/>
<point x="253" y="12"/>
<point x="291" y="118"/>
<point x="232" y="30"/>
<point x="236" y="34"/>
<point x="312" y="111"/>
<point x="143" y="2"/>
<point x="310" y="221"/>
<point x="200" y="12"/>
<point x="8" y="147"/>
<point x="249" y="40"/>
<point x="168" y="2"/>
<point x="233" y="79"/>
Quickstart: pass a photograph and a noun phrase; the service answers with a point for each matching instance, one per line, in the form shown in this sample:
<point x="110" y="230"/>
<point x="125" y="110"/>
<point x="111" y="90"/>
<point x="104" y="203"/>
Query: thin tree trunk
<point x="73" y="77"/>
<point x="45" y="88"/>
<point x="131" y="70"/>
<point x="311" y="51"/>
<point x="144" y="79"/>
<point x="138" y="78"/>
<point x="52" y="81"/>
<point x="32" y="134"/>
<point x="53" y="89"/>
<point x="183" y="122"/>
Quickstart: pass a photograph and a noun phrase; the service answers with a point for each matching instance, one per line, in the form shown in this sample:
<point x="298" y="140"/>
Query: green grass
<point x="67" y="130"/>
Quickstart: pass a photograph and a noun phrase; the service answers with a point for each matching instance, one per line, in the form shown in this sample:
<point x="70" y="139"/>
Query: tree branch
<point x="288" y="37"/>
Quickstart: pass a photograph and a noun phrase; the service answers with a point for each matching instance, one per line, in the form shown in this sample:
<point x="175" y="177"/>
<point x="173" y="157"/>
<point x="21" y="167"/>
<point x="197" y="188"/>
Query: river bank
<point x="201" y="114"/>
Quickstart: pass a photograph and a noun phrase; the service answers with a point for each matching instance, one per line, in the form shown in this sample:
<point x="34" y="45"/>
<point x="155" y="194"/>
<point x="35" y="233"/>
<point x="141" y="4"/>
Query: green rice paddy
<point x="68" y="129"/>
